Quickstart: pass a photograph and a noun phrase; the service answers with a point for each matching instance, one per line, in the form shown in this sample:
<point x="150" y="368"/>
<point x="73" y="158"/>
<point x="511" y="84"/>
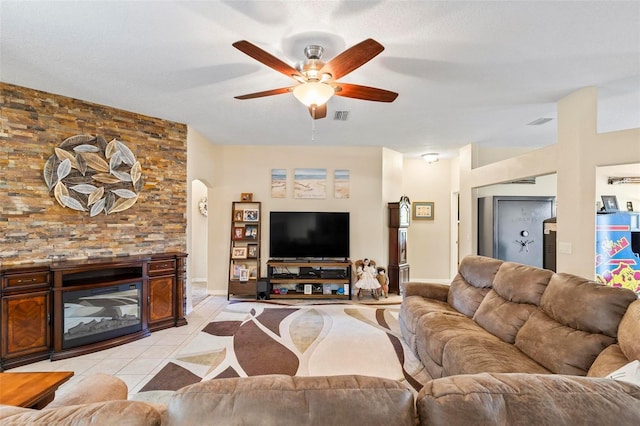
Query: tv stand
<point x="309" y="279"/>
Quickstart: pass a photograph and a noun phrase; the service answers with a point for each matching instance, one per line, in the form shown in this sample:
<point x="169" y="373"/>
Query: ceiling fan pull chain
<point x="313" y="125"/>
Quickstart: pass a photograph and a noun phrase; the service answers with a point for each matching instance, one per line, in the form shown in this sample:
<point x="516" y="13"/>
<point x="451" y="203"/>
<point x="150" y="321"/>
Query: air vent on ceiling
<point x="341" y="115"/>
<point x="539" y="121"/>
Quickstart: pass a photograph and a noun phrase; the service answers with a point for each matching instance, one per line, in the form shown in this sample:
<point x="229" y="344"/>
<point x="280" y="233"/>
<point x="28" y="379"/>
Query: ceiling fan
<point x="316" y="79"/>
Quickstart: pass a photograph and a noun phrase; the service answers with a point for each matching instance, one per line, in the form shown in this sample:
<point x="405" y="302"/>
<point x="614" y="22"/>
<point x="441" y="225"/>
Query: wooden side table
<point x="31" y="390"/>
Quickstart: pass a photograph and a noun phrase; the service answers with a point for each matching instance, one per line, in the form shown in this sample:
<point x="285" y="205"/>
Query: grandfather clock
<point x="399" y="217"/>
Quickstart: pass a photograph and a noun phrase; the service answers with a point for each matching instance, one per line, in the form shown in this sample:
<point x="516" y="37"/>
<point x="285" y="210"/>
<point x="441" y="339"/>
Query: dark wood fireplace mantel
<point x="32" y="303"/>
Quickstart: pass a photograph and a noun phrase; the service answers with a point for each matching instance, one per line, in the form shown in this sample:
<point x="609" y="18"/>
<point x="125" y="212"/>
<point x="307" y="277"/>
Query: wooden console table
<point x="31" y="390"/>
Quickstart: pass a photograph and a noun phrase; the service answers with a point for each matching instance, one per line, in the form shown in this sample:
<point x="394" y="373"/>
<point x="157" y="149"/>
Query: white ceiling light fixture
<point x="431" y="157"/>
<point x="313" y="93"/>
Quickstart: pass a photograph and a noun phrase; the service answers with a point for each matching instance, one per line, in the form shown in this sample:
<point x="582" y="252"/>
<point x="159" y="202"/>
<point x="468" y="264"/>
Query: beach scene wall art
<point x="278" y="183"/>
<point x="341" y="183"/>
<point x="310" y="183"/>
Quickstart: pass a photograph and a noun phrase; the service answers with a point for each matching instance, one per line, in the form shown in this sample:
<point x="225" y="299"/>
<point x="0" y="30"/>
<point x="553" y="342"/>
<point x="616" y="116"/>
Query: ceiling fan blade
<point x="265" y="93"/>
<point x="266" y="58"/>
<point x="318" y="112"/>
<point x="352" y="58"/>
<point x="365" y="93"/>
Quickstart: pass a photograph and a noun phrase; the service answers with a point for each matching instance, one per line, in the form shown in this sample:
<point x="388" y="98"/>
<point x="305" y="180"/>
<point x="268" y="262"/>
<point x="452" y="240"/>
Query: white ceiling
<point x="466" y="71"/>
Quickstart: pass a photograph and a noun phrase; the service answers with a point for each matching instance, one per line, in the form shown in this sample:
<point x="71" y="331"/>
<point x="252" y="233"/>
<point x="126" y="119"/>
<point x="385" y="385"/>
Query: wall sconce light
<point x="431" y="157"/>
<point x="313" y="93"/>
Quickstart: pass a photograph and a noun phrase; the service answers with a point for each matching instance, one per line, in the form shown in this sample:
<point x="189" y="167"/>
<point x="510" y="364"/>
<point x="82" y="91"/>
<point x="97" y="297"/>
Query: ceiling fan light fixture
<point x="313" y="93"/>
<point x="431" y="157"/>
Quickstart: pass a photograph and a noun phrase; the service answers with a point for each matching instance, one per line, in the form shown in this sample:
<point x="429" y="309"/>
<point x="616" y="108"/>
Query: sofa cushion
<point x="559" y="348"/>
<point x="436" y="329"/>
<point x="517" y="290"/>
<point x="521" y="283"/>
<point x="472" y="283"/>
<point x="286" y="400"/>
<point x="414" y="307"/>
<point x="629" y="332"/>
<point x="584" y="305"/>
<point x="94" y="388"/>
<point x="479" y="354"/>
<point x="501" y="317"/>
<point x="527" y="399"/>
<point x="609" y="360"/>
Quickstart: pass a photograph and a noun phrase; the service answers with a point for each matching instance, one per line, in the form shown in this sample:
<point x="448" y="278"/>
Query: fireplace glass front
<point x="94" y="315"/>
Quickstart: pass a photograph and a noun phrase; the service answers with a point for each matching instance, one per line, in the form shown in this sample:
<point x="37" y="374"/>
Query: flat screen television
<point x="309" y="235"/>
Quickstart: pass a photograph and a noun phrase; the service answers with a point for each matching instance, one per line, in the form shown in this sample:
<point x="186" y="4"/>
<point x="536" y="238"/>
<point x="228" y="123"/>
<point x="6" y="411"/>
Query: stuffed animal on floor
<point x="383" y="279"/>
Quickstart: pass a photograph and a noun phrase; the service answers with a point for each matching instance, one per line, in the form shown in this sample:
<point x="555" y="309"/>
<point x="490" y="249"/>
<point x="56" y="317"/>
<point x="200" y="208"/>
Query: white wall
<point x="580" y="149"/>
<point x="200" y="165"/>
<point x="248" y="169"/>
<point x="429" y="241"/>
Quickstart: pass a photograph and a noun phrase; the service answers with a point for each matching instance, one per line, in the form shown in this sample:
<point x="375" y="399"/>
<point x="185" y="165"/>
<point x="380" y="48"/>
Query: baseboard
<point x="198" y="280"/>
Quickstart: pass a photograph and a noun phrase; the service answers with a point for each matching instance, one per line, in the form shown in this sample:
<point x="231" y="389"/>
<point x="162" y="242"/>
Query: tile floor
<point x="136" y="362"/>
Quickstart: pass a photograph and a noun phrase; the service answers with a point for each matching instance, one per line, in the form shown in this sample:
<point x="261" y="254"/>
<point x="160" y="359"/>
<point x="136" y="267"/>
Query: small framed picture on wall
<point x="423" y="210"/>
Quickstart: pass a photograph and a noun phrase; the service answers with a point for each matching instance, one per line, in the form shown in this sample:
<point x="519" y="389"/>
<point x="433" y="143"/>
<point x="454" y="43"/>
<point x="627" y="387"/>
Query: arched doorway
<point x="199" y="253"/>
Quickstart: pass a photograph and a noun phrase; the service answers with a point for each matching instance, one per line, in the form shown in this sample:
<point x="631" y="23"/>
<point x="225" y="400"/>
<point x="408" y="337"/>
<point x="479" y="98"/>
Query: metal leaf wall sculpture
<point x="86" y="173"/>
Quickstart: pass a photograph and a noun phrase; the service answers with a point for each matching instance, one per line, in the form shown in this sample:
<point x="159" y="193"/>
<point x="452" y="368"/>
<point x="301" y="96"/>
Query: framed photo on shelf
<point x="238" y="233"/>
<point x="251" y="232"/>
<point x="251" y="215"/>
<point x="246" y="196"/>
<point x="629" y="206"/>
<point x="236" y="271"/>
<point x="253" y="272"/>
<point x="238" y="215"/>
<point x="244" y="274"/>
<point x="610" y="203"/>
<point x="252" y="252"/>
<point x="423" y="210"/>
<point x="239" y="253"/>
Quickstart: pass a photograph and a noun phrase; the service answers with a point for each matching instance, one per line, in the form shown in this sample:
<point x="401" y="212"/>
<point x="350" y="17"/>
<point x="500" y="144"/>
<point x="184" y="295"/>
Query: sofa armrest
<point x="98" y="387"/>
<point x="519" y="398"/>
<point x="292" y="400"/>
<point x="428" y="290"/>
<point x="130" y="413"/>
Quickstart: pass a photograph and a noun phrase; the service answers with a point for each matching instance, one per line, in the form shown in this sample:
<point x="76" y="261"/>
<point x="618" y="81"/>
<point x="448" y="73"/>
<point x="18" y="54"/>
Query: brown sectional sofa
<point x="260" y="400"/>
<point x="507" y="344"/>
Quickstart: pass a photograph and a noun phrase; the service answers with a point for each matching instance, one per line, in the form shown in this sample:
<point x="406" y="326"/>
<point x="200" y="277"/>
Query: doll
<point x="367" y="279"/>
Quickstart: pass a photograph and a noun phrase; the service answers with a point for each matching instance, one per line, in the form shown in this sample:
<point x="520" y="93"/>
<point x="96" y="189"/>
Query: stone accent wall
<point x="35" y="228"/>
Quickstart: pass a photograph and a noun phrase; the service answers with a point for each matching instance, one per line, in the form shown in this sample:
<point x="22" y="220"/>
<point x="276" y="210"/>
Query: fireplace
<point x="102" y="313"/>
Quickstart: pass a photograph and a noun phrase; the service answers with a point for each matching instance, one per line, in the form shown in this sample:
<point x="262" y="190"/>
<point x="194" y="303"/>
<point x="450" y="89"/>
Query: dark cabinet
<point x="25" y="309"/>
<point x="398" y="271"/>
<point x="162" y="293"/>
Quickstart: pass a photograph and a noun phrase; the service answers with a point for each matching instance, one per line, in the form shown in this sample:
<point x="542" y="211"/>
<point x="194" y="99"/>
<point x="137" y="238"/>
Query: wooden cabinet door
<point x="25" y="324"/>
<point x="161" y="298"/>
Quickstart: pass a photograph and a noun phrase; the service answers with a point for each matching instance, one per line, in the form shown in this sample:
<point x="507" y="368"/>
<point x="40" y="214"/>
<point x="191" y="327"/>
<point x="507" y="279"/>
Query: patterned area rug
<point x="254" y="338"/>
